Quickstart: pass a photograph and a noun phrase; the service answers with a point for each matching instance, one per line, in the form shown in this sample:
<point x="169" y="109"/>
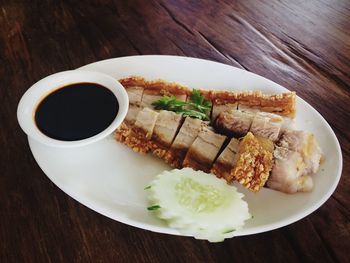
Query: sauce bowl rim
<point x="39" y="90"/>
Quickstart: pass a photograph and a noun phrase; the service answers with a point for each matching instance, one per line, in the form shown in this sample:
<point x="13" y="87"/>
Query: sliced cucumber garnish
<point x="198" y="204"/>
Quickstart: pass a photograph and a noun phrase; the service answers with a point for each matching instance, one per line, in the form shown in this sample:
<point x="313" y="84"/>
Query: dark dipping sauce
<point x="77" y="111"/>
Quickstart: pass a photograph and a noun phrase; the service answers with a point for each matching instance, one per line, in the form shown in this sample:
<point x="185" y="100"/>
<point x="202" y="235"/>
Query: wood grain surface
<point x="302" y="45"/>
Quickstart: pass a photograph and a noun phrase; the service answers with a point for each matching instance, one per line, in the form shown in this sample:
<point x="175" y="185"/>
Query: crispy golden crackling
<point x="159" y="87"/>
<point x="282" y="104"/>
<point x="254" y="163"/>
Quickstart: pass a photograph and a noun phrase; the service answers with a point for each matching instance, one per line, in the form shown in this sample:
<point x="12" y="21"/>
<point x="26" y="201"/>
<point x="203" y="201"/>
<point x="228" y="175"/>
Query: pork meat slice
<point x="242" y="107"/>
<point x="183" y="140"/>
<point x="131" y="115"/>
<point x="145" y="122"/>
<point x="164" y="132"/>
<point x="226" y="160"/>
<point x="304" y="143"/>
<point x="218" y="108"/>
<point x="234" y="123"/>
<point x="137" y="137"/>
<point x="267" y="125"/>
<point x="286" y="175"/>
<point x="135" y="95"/>
<point x="204" y="150"/>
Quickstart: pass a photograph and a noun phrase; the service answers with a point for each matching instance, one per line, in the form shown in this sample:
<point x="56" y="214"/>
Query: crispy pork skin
<point x="254" y="163"/>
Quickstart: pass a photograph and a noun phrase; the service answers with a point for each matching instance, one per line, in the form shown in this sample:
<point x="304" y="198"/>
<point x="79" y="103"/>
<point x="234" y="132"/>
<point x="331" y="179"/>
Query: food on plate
<point x="204" y="149"/>
<point x="164" y="131"/>
<point x="183" y="140"/>
<point x="246" y="137"/>
<point x="254" y="163"/>
<point x="197" y="204"/>
<point x="196" y="106"/>
<point x="226" y="160"/>
<point x="297" y="156"/>
<point x="234" y="123"/>
<point x="135" y="95"/>
<point x="267" y="125"/>
<point x="282" y="104"/>
<point x="238" y="122"/>
<point x="139" y="137"/>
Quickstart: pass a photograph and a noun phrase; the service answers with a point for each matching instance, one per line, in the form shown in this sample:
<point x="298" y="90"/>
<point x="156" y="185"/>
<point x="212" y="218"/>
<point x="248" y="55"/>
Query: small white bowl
<point x="34" y="95"/>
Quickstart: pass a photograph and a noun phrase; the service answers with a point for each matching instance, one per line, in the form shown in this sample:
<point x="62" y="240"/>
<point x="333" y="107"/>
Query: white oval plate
<point x="109" y="178"/>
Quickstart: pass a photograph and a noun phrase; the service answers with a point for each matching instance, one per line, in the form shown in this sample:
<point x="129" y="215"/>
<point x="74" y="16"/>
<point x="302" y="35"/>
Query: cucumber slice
<point x="198" y="204"/>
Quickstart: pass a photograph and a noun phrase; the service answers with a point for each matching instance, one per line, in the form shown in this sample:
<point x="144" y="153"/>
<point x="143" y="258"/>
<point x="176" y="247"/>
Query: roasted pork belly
<point x="226" y="160"/>
<point x="165" y="129"/>
<point x="148" y="98"/>
<point x="145" y="122"/>
<point x="267" y="125"/>
<point x="204" y="150"/>
<point x="218" y="108"/>
<point x="184" y="139"/>
<point x="242" y="107"/>
<point x="286" y="175"/>
<point x="135" y="97"/>
<point x="188" y="142"/>
<point x="304" y="143"/>
<point x="140" y="133"/>
<point x="282" y="104"/>
<point x="254" y="163"/>
<point x="130" y="117"/>
<point x="134" y="94"/>
<point x="234" y="123"/>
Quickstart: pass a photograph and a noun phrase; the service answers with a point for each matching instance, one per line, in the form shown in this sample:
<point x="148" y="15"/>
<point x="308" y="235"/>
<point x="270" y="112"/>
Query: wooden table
<point x="302" y="45"/>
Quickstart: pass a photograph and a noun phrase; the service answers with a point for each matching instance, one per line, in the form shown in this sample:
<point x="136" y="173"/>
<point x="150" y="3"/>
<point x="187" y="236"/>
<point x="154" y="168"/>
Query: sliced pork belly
<point x="286" y="175"/>
<point x="218" y="108"/>
<point x="234" y="123"/>
<point x="140" y="134"/>
<point x="184" y="139"/>
<point x="243" y="107"/>
<point x="267" y="125"/>
<point x="130" y="117"/>
<point x="149" y="98"/>
<point x="282" y="104"/>
<point x="134" y="94"/>
<point x="304" y="143"/>
<point x="165" y="129"/>
<point x="135" y="97"/>
<point x="145" y="122"/>
<point x="226" y="160"/>
<point x="204" y="150"/>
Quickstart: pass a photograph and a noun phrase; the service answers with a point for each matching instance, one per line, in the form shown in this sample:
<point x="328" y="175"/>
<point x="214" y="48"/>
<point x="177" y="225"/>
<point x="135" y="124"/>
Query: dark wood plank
<point x="303" y="45"/>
